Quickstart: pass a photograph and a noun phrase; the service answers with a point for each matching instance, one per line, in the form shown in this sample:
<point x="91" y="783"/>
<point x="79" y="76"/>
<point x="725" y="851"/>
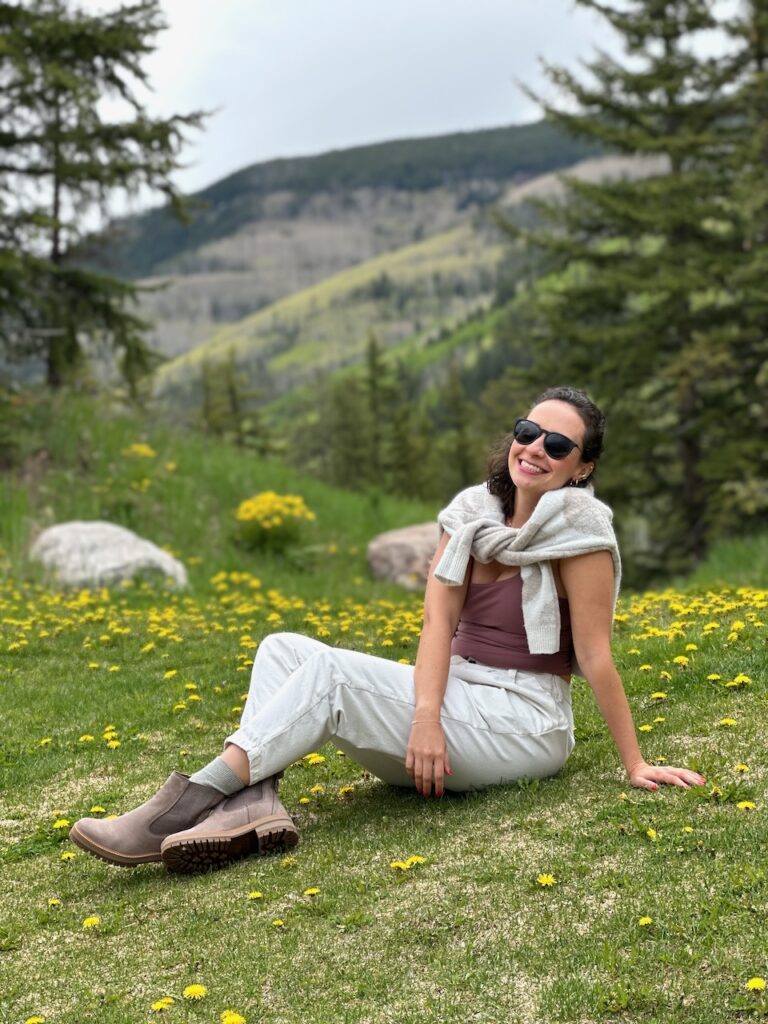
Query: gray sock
<point x="219" y="775"/>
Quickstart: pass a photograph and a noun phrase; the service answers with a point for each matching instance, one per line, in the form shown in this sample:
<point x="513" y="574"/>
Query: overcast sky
<point x="294" y="77"/>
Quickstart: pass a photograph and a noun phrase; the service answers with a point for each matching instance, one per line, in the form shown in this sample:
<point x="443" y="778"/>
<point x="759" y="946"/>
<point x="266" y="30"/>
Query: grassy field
<point x="656" y="901"/>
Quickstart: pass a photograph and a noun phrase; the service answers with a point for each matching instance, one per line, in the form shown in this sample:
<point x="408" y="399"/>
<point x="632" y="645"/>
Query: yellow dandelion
<point x="687" y="828"/>
<point x="54" y="901"/>
<point x="195" y="992"/>
<point x="746" y="805"/>
<point x="755" y="985"/>
<point x="727" y="723"/>
<point x="645" y="668"/>
<point x="170" y="673"/>
<point x="741" y="767"/>
<point x="35" y="1020"/>
<point x="255" y="895"/>
<point x="652" y="834"/>
<point x="61" y="823"/>
<point x="346" y="790"/>
<point x="312" y="891"/>
<point x="645" y="728"/>
<point x="278" y="922"/>
<point x="714" y="677"/>
<point x="113" y="744"/>
<point x="305" y="800"/>
<point x="92" y="922"/>
<point x="317" y="789"/>
<point x="545" y="880"/>
<point x="659" y="695"/>
<point x="399" y="865"/>
<point x="86" y="738"/>
<point x="645" y="921"/>
<point x="68" y="855"/>
<point x="98" y="809"/>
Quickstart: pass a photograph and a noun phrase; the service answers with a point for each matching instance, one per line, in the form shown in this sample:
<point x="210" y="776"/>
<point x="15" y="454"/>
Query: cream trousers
<point x="499" y="724"/>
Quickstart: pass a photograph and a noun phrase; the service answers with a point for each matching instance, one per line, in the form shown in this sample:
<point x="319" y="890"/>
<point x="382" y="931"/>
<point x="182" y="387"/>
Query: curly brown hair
<point x="499" y="481"/>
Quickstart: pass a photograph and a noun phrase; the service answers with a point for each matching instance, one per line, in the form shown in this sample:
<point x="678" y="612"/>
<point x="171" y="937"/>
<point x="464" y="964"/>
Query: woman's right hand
<point x="426" y="760"/>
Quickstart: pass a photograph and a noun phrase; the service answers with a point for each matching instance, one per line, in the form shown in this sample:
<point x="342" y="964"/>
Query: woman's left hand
<point x="647" y="776"/>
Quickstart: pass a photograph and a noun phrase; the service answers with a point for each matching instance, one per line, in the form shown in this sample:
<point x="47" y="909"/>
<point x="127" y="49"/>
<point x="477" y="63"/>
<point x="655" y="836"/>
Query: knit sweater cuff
<point x="542" y="639"/>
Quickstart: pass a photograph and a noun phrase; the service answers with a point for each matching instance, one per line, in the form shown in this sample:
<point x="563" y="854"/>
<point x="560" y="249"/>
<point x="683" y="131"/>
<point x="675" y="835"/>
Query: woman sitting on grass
<point x="521" y="590"/>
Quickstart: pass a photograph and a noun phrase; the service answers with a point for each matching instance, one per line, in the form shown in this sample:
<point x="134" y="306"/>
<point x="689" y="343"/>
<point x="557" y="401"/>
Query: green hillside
<point x="147" y="242"/>
<point x="413" y="292"/>
<point x="107" y="691"/>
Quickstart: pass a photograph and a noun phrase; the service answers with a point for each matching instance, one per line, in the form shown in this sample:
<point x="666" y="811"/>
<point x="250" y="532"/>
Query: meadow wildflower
<point x="92" y="922"/>
<point x="755" y="984"/>
<point x="232" y="1017"/>
<point x="255" y="895"/>
<point x="312" y="891"/>
<point x="546" y="880"/>
<point x="278" y="922"/>
<point x="61" y="823"/>
<point x="645" y="921"/>
<point x="746" y="805"/>
<point x="68" y="855"/>
<point x="195" y="992"/>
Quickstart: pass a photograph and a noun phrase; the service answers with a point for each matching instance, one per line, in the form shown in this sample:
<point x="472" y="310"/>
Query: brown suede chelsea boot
<point x="251" y="821"/>
<point x="135" y="837"/>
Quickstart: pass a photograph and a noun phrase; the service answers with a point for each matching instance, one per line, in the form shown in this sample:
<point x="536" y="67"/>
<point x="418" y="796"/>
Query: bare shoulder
<point x="587" y="574"/>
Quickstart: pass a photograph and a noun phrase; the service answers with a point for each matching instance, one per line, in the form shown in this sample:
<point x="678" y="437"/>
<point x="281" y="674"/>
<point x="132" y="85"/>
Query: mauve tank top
<point x="491" y="630"/>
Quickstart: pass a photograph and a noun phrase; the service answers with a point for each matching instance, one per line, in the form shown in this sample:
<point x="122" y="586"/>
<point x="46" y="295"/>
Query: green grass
<point x="467" y="935"/>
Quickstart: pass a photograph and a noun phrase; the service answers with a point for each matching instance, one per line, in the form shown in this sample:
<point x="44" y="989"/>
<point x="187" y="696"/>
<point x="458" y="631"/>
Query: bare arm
<point x="588" y="582"/>
<point x="427" y="756"/>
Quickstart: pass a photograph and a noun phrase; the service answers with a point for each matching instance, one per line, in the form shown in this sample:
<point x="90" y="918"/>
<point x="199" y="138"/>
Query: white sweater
<point x="566" y="522"/>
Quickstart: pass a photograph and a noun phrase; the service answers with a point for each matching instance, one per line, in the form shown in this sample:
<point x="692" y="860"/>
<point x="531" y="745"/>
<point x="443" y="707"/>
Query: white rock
<point x="403" y="556"/>
<point x="91" y="554"/>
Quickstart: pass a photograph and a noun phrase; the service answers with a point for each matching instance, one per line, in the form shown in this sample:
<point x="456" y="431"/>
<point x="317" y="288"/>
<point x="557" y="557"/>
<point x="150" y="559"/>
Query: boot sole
<point x="120" y="860"/>
<point x="203" y="852"/>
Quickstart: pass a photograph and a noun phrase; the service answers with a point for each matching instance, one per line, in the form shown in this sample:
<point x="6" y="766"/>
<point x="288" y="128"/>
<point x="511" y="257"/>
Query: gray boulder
<point x="403" y="556"/>
<point x="92" y="554"/>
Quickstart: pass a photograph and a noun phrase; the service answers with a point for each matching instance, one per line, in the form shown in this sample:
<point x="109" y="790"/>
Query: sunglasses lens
<point x="526" y="432"/>
<point x="558" y="446"/>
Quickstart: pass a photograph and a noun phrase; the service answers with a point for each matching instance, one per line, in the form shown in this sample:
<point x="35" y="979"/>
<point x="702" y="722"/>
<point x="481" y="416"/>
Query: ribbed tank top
<point x="491" y="630"/>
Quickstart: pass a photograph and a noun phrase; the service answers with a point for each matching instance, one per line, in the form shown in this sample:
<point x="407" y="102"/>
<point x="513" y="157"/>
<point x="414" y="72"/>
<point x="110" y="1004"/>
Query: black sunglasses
<point x="557" y="446"/>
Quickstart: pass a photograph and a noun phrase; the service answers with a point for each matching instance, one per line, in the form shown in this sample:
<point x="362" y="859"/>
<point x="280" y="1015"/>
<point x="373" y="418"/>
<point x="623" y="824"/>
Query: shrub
<point x="272" y="520"/>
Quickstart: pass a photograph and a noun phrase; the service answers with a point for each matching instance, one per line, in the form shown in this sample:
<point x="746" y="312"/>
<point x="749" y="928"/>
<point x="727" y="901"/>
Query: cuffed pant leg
<point x="363" y="702"/>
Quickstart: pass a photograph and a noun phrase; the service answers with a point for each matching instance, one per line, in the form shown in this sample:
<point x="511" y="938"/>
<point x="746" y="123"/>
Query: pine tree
<point x="60" y="161"/>
<point x="642" y="308"/>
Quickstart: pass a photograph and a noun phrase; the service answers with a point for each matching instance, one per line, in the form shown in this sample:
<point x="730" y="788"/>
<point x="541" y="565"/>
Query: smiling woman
<point x="521" y="592"/>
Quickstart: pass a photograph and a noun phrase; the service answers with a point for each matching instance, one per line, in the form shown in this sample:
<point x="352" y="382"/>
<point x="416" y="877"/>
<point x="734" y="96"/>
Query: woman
<point x="523" y="582"/>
